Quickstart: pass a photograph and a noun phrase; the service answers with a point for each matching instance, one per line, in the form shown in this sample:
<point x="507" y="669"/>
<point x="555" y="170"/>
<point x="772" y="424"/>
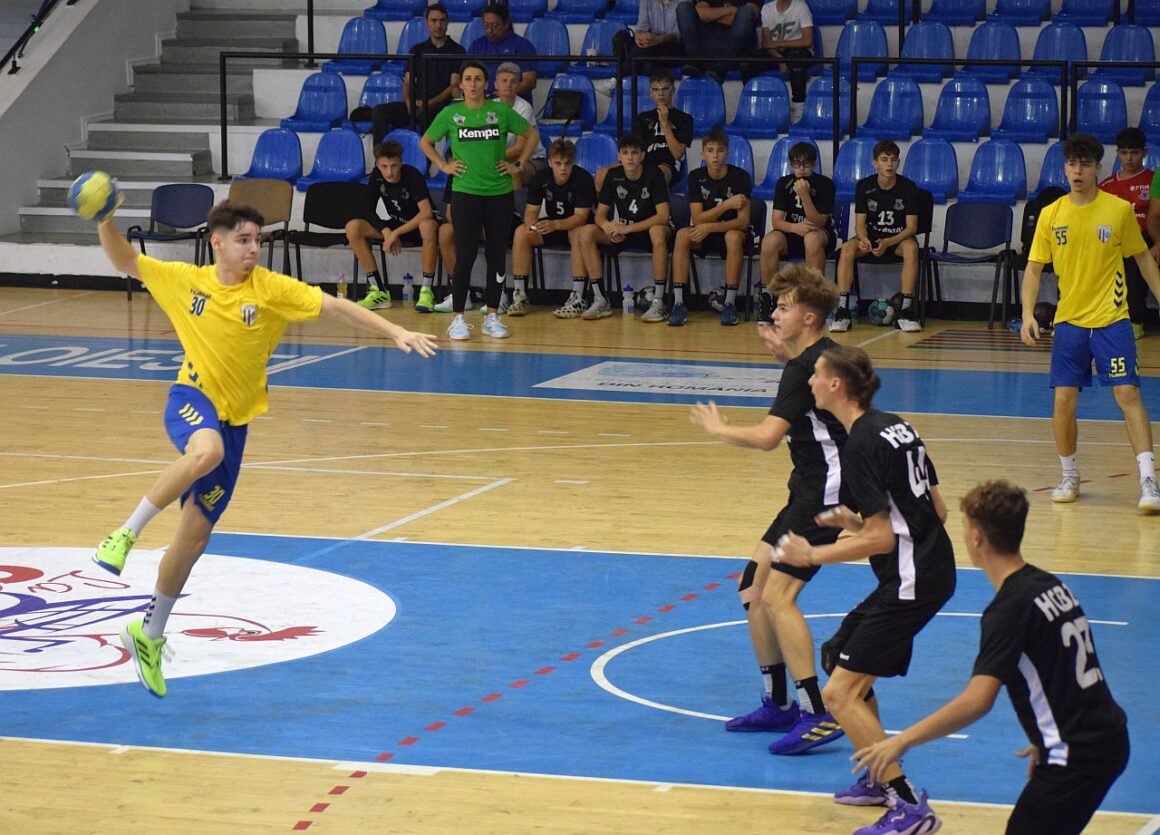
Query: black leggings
<point x="470" y="215"/>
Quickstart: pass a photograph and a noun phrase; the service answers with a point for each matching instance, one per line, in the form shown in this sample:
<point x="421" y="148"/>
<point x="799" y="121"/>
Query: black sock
<point x="775" y="684"/>
<point x="907" y="301"/>
<point x="810" y="695"/>
<point x="900" y="787"/>
<point x="374" y="278"/>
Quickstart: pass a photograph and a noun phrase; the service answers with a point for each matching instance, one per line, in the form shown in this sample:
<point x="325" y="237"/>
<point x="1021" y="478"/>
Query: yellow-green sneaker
<point x="112" y="552"/>
<point x="426" y="302"/>
<point x="146" y="654"/>
<point x="376" y="299"/>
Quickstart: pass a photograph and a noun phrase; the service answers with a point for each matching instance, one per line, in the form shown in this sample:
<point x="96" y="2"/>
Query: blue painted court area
<point x="493" y="657"/>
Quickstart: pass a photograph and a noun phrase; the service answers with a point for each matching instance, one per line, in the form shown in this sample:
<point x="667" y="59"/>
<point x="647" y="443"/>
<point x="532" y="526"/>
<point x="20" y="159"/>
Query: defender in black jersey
<point x="886" y="208"/>
<point x="803" y="207"/>
<point x="665" y="131"/>
<point x="893" y="483"/>
<point x="1037" y="641"/>
<point x="410" y="221"/>
<point x="640" y="198"/>
<point x="779" y="633"/>
<point x="719" y="204"/>
<point x="564" y="194"/>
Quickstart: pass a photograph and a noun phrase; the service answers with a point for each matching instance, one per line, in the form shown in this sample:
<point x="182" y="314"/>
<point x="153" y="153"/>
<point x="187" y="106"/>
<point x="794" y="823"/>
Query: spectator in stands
<point x="1133" y="182"/>
<point x="665" y="130"/>
<point x="410" y="222"/>
<point x="719" y="204"/>
<point x="803" y="207"/>
<point x="440" y="77"/>
<point x="507" y="79"/>
<point x="499" y="39"/>
<point x="657" y="34"/>
<point x="717" y="29"/>
<point x="787" y="31"/>
<point x="885" y="225"/>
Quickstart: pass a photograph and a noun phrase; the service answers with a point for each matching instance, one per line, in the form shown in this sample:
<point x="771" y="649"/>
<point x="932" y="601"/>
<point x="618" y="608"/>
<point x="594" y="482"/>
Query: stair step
<point x="179" y="107"/>
<point x="206" y="50"/>
<point x="140" y="163"/>
<point x="54" y="219"/>
<point x="137" y="193"/>
<point x="207" y="24"/>
<point x="192" y="78"/>
<point x="114" y="136"/>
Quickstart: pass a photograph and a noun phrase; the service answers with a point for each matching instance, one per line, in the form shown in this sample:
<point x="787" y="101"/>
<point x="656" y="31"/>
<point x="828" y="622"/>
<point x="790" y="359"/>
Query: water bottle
<point x="340" y="286"/>
<point x="853" y="305"/>
<point x="627" y="300"/>
<point x="408" y="285"/>
<point x="1015" y="325"/>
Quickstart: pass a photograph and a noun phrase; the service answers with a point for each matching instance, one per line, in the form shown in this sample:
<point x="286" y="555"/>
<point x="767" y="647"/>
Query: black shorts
<point x="795" y="245"/>
<point x="712" y="245"/>
<point x="556" y="239"/>
<point x="412" y="238"/>
<point x="1062" y="799"/>
<point x="634" y="240"/>
<point x="877" y="637"/>
<point x="798" y="517"/>
<point x="889" y="256"/>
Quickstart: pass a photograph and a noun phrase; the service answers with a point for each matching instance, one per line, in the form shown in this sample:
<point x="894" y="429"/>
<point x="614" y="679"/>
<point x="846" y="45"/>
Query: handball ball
<point x="94" y="195"/>
<point x="881" y="312"/>
<point x="717" y="298"/>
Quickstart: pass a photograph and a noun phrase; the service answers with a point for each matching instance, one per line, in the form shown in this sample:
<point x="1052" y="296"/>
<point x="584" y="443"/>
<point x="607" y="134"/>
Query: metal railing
<point x="1074" y="79"/>
<point x="17" y="50"/>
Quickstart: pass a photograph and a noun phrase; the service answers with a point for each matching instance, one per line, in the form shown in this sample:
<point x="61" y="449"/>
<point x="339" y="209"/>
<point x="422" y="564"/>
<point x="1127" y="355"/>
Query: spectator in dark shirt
<point x="499" y="39"/>
<point x="440" y="78"/>
<point x="717" y="29"/>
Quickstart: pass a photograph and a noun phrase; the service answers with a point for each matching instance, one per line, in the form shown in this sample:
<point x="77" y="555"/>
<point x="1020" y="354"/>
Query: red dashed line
<point x="595" y="645"/>
<point x="1118" y="475"/>
<point x="619" y="632"/>
<point x="338" y="790"/>
<point x="667" y="608"/>
<point x="384" y="757"/>
<point x="492" y="697"/>
<point x="712" y="586"/>
<point x="463" y="711"/>
<point x="355" y="775"/>
<point x="517" y="684"/>
<point x="572" y="656"/>
<point x="543" y="671"/>
<point x="319" y="807"/>
<point x="733" y="576"/>
<point x="645" y="619"/>
<point x="435" y="726"/>
<point x="411" y="740"/>
<point x="302" y="825"/>
<point x="689" y="597"/>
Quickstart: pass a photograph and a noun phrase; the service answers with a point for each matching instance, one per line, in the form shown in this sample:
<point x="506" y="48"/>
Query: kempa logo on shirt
<point x="478" y="134"/>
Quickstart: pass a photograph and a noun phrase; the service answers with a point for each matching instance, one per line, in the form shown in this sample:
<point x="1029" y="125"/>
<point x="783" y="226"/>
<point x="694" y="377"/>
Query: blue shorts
<point x="187" y="411"/>
<point x="1113" y="348"/>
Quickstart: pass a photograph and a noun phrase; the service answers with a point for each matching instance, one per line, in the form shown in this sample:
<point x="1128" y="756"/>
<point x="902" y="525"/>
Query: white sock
<point x="1146" y="461"/>
<point x="730" y="295"/>
<point x="157" y="614"/>
<point x="520" y="284"/>
<point x="678" y="294"/>
<point x="578" y="286"/>
<point x="658" y="290"/>
<point x="597" y="291"/>
<point x="1070" y="467"/>
<point x="142" y="516"/>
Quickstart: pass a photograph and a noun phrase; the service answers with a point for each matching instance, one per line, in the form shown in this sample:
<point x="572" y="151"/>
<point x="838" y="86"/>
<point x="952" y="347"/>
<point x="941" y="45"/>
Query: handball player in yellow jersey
<point x="1087" y="234"/>
<point x="229" y="317"/>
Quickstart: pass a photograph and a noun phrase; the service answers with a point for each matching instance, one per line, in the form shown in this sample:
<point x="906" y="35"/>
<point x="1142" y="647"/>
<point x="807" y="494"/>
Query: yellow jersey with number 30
<point x="1088" y="245"/>
<point x="228" y="331"/>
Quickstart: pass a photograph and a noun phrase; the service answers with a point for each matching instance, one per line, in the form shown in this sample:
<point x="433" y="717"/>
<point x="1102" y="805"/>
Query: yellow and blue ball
<point x="94" y="195"/>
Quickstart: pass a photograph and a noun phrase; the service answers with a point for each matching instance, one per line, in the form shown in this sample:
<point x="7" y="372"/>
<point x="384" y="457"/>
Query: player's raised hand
<point x="422" y="344"/>
<point x="773" y="341"/>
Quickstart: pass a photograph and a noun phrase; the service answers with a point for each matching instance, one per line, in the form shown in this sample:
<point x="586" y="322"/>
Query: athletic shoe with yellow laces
<point x="146" y="654"/>
<point x="112" y="552"/>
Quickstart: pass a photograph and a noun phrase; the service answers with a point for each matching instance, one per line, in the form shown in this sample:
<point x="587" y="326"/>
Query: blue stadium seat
<point x="339" y="158"/>
<point x="998" y="174"/>
<point x="702" y="99"/>
<point x="594" y="151"/>
<point x="360" y="36"/>
<point x="461" y="10"/>
<point x="472" y="32"/>
<point x="549" y="37"/>
<point x="956" y="12"/>
<point x="1101" y="109"/>
<point x="1051" y="173"/>
<point x="740" y="155"/>
<point x="597" y="41"/>
<point x="380" y="88"/>
<point x="1127" y="43"/>
<point x="855" y="161"/>
<point x="778" y="165"/>
<point x="817" y="119"/>
<point x="864" y="39"/>
<point x="414" y="31"/>
<point x="926" y="40"/>
<point x="412" y="152"/>
<point x="1147" y="14"/>
<point x="834" y="12"/>
<point x="895" y="110"/>
<point x="321" y="104"/>
<point x="624" y="100"/>
<point x="1150" y="115"/>
<point x="1031" y="113"/>
<point x="1086" y="12"/>
<point x="277" y="156"/>
<point x="934" y="166"/>
<point x="625" y="11"/>
<point x="883" y="11"/>
<point x="578" y="11"/>
<point x="1058" y="42"/>
<point x="963" y="112"/>
<point x="570" y="81"/>
<point x="1021" y="12"/>
<point x="523" y="11"/>
<point x="763" y="109"/>
<point x="997" y="41"/>
<point x="396" y="9"/>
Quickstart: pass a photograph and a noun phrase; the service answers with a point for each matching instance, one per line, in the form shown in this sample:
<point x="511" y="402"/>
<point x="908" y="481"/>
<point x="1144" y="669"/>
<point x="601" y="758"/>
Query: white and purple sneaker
<point x="767" y="718"/>
<point x="863" y="793"/>
<point x="904" y="818"/>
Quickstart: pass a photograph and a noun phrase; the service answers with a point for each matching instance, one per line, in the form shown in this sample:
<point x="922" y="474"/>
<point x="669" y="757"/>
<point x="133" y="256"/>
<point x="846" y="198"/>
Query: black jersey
<point x="886" y="469"/>
<point x="647" y="126"/>
<point x="816" y="437"/>
<point x="710" y="193"/>
<point x="1036" y="639"/>
<point x="561" y="201"/>
<point x="885" y="209"/>
<point x="401" y="199"/>
<point x="634" y="200"/>
<point x="785" y="199"/>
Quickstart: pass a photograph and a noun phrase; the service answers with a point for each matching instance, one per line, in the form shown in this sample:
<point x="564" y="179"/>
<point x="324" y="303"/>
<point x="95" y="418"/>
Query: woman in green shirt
<point x="481" y="193"/>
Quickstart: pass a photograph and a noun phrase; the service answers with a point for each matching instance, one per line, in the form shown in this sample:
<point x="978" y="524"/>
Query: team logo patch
<point x="898" y="205"/>
<point x="644" y="193"/>
<point x="704" y="193"/>
<point x="621" y="192"/>
<point x="872" y="205"/>
<point x="1104" y="233"/>
<point x="491" y="118"/>
<point x="459" y="119"/>
<point x="249" y="313"/>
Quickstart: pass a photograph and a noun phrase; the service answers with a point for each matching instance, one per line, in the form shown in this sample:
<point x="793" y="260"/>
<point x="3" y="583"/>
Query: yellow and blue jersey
<point x="228" y="331"/>
<point x="1088" y="245"/>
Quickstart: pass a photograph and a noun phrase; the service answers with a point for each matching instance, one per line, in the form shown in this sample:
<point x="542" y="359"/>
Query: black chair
<point x="752" y="250"/>
<point x="328" y="206"/>
<point x="178" y="213"/>
<point x="980" y="226"/>
<point x="925" y="286"/>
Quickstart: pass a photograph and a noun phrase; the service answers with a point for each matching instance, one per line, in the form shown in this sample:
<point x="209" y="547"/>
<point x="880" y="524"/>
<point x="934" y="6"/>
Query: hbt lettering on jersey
<point x="898" y="434"/>
<point x="1056" y="601"/>
<point x="478" y="134"/>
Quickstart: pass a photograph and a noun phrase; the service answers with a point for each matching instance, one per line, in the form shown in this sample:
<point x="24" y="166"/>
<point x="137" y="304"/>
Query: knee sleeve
<point x="745" y="588"/>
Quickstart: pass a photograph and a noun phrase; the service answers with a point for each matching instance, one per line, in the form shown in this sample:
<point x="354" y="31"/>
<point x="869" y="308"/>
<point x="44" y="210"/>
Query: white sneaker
<point x="494" y="328"/>
<point x="573" y="308"/>
<point x="1068" y="490"/>
<point x="841" y="321"/>
<point x="459" y="329"/>
<point x="519" y="304"/>
<point x="656" y="312"/>
<point x="599" y="309"/>
<point x="907" y="325"/>
<point x="445" y="306"/>
<point x="1149" y="497"/>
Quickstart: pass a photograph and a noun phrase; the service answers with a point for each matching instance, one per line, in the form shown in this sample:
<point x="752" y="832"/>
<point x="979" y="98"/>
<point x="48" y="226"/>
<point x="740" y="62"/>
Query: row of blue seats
<point x="565" y="11"/>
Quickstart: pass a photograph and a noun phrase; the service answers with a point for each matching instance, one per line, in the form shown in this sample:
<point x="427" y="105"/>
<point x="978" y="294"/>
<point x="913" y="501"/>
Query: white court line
<point x="366" y="472"/>
<point x="492" y="429"/>
<point x="31" y="406"/>
<point x="303" y="362"/>
<point x="878" y="338"/>
<point x="419" y="514"/>
<point x="570" y="481"/>
<point x="76" y="478"/>
<point x="50" y="301"/>
<point x="316" y="420"/>
<point x="1150" y="828"/>
<point x="58" y="456"/>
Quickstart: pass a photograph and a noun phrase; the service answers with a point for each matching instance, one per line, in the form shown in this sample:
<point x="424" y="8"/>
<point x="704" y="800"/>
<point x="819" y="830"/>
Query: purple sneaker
<point x="905" y="819"/>
<point x="768" y="717"/>
<point x="863" y="793"/>
<point x="810" y="731"/>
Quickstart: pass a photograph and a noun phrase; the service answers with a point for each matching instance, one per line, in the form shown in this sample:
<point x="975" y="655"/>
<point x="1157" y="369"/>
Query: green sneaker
<point x="426" y="303"/>
<point x="146" y="654"/>
<point x="112" y="552"/>
<point x="376" y="299"/>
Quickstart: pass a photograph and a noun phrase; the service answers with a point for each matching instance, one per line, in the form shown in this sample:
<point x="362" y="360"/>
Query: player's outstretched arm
<point x="347" y="311"/>
<point x="117" y="248"/>
<point x="1149" y="271"/>
<point x="765" y="435"/>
